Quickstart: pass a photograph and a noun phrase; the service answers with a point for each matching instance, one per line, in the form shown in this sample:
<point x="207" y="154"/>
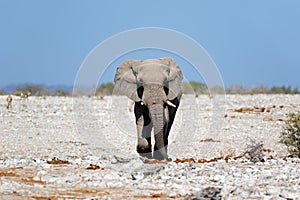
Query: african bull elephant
<point x="155" y="86"/>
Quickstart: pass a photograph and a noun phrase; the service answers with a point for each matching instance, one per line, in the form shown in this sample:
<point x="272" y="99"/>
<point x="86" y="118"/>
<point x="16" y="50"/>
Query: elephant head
<point x="155" y="86"/>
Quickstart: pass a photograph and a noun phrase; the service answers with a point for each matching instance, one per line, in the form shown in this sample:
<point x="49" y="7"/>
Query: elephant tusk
<point x="170" y="104"/>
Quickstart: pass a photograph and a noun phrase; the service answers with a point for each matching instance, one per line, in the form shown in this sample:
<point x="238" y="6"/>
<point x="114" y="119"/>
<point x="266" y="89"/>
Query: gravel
<point x="84" y="148"/>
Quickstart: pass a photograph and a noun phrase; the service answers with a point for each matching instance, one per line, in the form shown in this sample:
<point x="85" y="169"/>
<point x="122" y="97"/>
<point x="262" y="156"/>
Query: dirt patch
<point x="209" y="140"/>
<point x="11" y="174"/>
<point x="56" y="161"/>
<point x="94" y="167"/>
<point x="31" y="180"/>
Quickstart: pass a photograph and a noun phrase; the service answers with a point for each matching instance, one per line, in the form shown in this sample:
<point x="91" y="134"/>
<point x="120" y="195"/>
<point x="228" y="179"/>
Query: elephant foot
<point x="146" y="155"/>
<point x="161" y="154"/>
<point x="157" y="155"/>
<point x="143" y="148"/>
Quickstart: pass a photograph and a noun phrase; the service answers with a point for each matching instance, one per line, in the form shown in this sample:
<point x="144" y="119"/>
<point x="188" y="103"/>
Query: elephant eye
<point x="140" y="82"/>
<point x="139" y="79"/>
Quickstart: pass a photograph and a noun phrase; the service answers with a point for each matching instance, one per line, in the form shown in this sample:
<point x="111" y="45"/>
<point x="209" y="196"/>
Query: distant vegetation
<point x="60" y="92"/>
<point x="105" y="89"/>
<point x="35" y="90"/>
<point x="262" y="90"/>
<point x="2" y="92"/>
<point x="284" y="90"/>
<point x="200" y="88"/>
<point x="191" y="87"/>
<point x="194" y="87"/>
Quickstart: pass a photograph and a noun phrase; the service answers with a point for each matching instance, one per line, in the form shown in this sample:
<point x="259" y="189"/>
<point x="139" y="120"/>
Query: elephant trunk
<point x="157" y="117"/>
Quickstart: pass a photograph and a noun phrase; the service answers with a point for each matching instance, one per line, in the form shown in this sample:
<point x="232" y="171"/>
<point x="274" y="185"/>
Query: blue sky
<point x="252" y="42"/>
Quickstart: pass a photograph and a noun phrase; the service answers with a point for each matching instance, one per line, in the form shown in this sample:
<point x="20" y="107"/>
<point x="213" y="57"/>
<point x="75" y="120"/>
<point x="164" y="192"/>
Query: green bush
<point x="290" y="136"/>
<point x="194" y="87"/>
<point x="283" y="90"/>
<point x="60" y="93"/>
<point x="35" y="90"/>
<point x="2" y="92"/>
<point x="105" y="89"/>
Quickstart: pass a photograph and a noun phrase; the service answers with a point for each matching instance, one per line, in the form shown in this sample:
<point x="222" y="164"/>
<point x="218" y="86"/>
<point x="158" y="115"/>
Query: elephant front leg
<point x="160" y="150"/>
<point x="144" y="140"/>
<point x="170" y="116"/>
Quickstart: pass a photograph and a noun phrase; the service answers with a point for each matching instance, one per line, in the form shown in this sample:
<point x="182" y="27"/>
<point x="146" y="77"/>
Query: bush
<point x="290" y="136"/>
<point x="2" y="92"/>
<point x="105" y="89"/>
<point x="60" y="93"/>
<point x="284" y="90"/>
<point x="255" y="151"/>
<point x="194" y="87"/>
<point x="35" y="90"/>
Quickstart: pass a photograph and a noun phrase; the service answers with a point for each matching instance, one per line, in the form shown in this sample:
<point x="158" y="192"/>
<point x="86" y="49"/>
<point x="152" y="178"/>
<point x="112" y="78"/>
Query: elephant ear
<point x="175" y="78"/>
<point x="125" y="79"/>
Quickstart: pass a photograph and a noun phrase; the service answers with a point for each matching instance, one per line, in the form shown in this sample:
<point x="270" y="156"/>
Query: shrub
<point x="35" y="90"/>
<point x="2" y="92"/>
<point x="290" y="135"/>
<point x="60" y="93"/>
<point x="105" y="89"/>
<point x="255" y="151"/>
<point x="194" y="87"/>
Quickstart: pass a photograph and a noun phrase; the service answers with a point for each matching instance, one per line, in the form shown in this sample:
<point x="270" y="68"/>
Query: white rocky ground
<point x="42" y="131"/>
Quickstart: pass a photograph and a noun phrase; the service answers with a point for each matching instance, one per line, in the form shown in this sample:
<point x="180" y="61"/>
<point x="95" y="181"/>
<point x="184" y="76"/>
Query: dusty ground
<point x="84" y="148"/>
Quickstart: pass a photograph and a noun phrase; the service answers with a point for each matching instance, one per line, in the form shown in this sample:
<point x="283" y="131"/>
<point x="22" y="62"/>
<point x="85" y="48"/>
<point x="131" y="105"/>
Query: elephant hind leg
<point x="146" y="134"/>
<point x="143" y="148"/>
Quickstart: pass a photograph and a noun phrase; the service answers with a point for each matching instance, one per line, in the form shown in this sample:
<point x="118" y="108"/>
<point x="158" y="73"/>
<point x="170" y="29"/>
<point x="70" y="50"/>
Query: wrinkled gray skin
<point x="152" y="84"/>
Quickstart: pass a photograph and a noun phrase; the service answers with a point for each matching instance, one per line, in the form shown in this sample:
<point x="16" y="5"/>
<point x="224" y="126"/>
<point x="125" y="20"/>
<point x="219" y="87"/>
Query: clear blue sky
<point x="252" y="42"/>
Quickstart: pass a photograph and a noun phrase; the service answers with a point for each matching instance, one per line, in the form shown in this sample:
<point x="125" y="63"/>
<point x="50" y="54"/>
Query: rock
<point x="137" y="176"/>
<point x="172" y="194"/>
<point x="207" y="194"/>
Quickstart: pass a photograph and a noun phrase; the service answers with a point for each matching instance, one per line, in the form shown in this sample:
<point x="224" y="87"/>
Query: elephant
<point x="155" y="87"/>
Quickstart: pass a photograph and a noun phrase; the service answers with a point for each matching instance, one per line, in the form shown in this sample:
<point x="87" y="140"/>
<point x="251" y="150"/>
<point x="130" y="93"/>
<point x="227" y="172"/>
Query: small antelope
<point x="8" y="102"/>
<point x="25" y="95"/>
